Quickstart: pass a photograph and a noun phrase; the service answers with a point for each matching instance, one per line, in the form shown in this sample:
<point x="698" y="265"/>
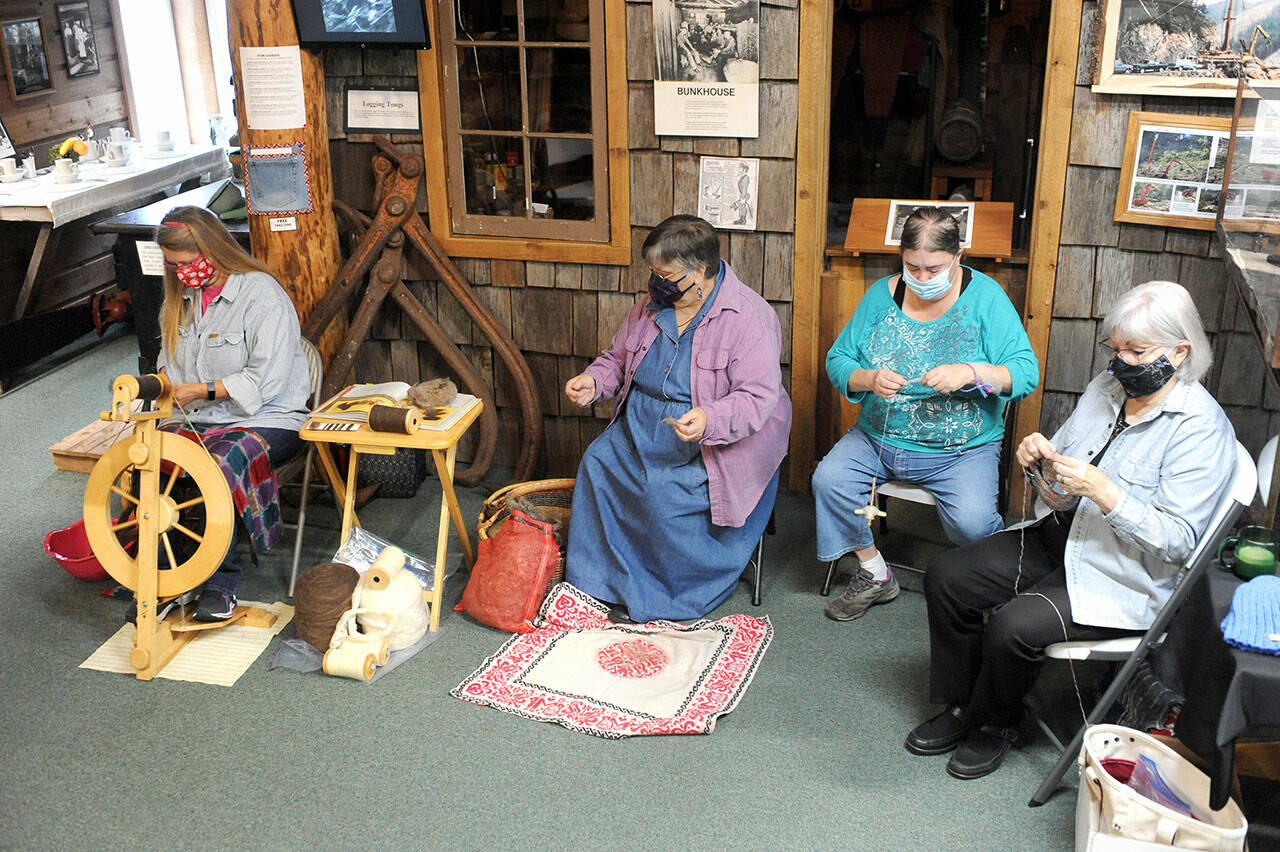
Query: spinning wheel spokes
<point x="203" y="515"/>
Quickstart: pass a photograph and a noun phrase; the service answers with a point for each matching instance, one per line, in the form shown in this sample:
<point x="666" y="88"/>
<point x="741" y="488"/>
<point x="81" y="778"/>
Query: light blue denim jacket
<point x="250" y="339"/>
<point x="1173" y="466"/>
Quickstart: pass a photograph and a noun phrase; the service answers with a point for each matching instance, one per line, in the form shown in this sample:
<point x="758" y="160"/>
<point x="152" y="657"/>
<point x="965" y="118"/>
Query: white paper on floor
<point x="216" y="657"/>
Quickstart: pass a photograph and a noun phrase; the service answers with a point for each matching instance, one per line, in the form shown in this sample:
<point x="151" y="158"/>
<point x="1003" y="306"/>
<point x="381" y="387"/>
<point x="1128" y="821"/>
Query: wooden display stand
<point x="992" y="227"/>
<point x="443" y="447"/>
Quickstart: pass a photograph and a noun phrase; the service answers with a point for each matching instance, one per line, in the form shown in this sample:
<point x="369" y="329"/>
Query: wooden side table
<point x="362" y="439"/>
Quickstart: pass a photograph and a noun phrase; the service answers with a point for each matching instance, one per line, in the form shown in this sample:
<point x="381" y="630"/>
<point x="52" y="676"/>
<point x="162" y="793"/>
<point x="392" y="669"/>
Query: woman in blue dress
<point x="671" y="499"/>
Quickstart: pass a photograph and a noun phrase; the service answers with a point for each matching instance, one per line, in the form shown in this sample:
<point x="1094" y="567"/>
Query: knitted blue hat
<point x="1254" y="620"/>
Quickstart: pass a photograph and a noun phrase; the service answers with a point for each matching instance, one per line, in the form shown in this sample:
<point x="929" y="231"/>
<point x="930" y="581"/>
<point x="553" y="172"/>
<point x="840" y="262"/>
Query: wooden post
<point x="1046" y="220"/>
<point x="812" y="143"/>
<point x="195" y="60"/>
<point x="306" y="260"/>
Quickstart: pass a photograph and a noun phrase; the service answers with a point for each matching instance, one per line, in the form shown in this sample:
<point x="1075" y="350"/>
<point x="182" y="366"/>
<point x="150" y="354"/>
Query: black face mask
<point x="1141" y="379"/>
<point x="667" y="293"/>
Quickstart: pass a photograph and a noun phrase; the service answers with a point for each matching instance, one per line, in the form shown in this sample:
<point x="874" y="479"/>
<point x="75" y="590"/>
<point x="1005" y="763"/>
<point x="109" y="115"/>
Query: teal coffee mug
<point x="1252" y="552"/>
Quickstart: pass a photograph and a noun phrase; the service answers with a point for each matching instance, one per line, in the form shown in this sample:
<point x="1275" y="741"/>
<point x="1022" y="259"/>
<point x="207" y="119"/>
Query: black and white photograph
<point x="25" y="59"/>
<point x="359" y="16"/>
<point x="706" y="67"/>
<point x="76" y="29"/>
<point x="727" y="191"/>
<point x="962" y="211"/>
<point x="6" y="144"/>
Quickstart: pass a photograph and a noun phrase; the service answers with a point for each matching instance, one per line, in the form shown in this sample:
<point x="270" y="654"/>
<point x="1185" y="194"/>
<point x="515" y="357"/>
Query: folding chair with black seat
<point x="1134" y="649"/>
<point x="304" y="459"/>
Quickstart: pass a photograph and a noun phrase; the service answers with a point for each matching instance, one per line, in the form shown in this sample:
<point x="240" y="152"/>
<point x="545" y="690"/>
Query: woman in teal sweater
<point x="933" y="355"/>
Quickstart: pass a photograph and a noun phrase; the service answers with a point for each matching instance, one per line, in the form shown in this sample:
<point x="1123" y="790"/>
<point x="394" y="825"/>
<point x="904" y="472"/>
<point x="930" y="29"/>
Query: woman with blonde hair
<point x="232" y="347"/>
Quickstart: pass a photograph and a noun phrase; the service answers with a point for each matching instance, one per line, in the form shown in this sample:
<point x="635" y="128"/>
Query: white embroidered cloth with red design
<point x="582" y="671"/>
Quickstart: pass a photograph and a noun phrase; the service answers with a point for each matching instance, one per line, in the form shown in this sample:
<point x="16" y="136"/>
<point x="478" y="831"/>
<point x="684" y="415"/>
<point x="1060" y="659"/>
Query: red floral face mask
<point x="197" y="273"/>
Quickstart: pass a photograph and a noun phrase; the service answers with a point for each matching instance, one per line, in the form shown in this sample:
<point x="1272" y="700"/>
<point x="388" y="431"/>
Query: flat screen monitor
<point x="391" y="23"/>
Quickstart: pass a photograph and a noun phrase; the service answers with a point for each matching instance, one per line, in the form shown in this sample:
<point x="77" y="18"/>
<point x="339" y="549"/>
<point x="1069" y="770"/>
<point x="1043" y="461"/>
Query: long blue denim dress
<point x="640" y="531"/>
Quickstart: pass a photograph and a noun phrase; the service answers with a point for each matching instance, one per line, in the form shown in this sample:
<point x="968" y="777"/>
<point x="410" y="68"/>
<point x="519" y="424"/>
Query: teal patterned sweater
<point x="982" y="326"/>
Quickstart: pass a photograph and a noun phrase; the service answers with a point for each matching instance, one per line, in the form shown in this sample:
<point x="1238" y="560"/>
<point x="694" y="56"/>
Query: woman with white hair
<point x="1135" y="473"/>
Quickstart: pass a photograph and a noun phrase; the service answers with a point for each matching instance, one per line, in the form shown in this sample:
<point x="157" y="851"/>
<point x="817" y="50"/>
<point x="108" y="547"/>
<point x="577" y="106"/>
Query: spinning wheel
<point x="197" y="515"/>
<point x="169" y="493"/>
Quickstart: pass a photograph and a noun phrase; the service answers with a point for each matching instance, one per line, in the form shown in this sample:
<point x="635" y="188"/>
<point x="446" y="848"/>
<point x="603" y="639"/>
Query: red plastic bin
<point x="70" y="547"/>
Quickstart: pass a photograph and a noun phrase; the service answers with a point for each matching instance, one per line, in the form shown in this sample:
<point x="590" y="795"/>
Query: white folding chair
<point x="303" y="459"/>
<point x="1134" y="649"/>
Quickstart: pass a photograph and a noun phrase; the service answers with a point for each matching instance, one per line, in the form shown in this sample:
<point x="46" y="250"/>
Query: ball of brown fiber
<point x="322" y="595"/>
<point x="433" y="392"/>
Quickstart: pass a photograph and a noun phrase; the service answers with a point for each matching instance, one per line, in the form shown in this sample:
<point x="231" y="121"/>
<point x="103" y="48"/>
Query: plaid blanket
<point x="242" y="456"/>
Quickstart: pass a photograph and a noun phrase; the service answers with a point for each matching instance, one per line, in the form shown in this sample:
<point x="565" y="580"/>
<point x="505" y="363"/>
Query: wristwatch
<point x="211" y="390"/>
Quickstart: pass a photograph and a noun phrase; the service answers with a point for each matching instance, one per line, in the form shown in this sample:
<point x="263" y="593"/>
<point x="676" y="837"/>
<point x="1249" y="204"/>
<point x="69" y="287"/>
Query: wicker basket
<point x="552" y="498"/>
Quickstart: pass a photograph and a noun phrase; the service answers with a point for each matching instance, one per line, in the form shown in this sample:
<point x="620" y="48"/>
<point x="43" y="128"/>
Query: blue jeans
<point x="964" y="484"/>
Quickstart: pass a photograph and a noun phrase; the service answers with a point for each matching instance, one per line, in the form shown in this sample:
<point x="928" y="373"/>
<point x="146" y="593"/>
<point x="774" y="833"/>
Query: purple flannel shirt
<point x="736" y="380"/>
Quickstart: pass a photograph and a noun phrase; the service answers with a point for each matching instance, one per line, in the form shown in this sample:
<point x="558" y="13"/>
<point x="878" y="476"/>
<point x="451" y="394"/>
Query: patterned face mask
<point x="197" y="273"/>
<point x="1141" y="379"/>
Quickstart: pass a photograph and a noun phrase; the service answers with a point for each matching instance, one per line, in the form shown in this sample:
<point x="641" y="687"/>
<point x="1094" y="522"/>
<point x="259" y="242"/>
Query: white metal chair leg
<point x="302" y="517"/>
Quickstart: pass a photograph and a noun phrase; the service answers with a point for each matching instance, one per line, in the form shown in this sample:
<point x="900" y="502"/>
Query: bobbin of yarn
<point x="379" y="647"/>
<point x="391" y="418"/>
<point x="322" y="595"/>
<point x="354" y="662"/>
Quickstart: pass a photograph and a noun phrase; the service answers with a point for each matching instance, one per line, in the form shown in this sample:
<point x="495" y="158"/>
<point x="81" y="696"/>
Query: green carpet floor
<point x="811" y="759"/>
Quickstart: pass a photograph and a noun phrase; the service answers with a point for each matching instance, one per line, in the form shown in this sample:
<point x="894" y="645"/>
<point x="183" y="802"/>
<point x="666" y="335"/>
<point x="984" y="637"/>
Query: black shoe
<point x="981" y="752"/>
<point x="215" y="606"/>
<point x="940" y="734"/>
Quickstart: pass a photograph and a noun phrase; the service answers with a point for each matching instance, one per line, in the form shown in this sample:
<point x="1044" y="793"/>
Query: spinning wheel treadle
<point x="206" y="491"/>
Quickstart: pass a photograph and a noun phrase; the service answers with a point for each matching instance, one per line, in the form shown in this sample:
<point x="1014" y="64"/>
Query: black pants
<point x="990" y="667"/>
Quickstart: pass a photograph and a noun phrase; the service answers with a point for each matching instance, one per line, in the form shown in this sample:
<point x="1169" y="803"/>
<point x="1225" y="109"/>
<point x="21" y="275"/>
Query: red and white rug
<point x="582" y="671"/>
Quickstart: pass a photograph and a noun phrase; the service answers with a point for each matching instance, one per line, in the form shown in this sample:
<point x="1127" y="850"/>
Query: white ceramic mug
<point x="64" y="171"/>
<point x="119" y="135"/>
<point x="163" y="142"/>
<point x="8" y="166"/>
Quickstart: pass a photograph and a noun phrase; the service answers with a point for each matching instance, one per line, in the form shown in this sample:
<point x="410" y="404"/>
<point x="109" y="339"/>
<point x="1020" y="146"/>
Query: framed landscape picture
<point x="1173" y="169"/>
<point x="1193" y="49"/>
<point x="77" y="38"/>
<point x="25" y="61"/>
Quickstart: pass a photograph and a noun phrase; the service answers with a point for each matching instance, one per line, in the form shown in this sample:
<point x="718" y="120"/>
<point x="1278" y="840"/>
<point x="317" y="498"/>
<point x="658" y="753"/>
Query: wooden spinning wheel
<point x="111" y="508"/>
<point x="171" y="494"/>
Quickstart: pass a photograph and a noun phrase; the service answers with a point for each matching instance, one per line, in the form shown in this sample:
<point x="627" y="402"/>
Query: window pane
<point x="493" y="175"/>
<point x="563" y="178"/>
<point x="559" y="89"/>
<point x="489" y="88"/>
<point x="485" y="20"/>
<point x="557" y="20"/>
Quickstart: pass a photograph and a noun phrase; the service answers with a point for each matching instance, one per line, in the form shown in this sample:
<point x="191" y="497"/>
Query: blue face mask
<point x="933" y="289"/>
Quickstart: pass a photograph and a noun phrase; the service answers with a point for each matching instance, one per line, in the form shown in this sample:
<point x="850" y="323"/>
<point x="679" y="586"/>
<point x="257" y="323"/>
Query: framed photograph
<point x="962" y="211"/>
<point x="77" y="38"/>
<point x="25" y="59"/>
<point x="1172" y="47"/>
<point x="706" y="68"/>
<point x="1173" y="169"/>
<point x="6" y="144"/>
<point x="371" y="109"/>
<point x="391" y="23"/>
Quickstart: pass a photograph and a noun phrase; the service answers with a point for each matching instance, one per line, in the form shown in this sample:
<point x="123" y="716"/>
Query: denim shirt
<point x="249" y="339"/>
<point x="736" y="380"/>
<point x="1173" y="466"/>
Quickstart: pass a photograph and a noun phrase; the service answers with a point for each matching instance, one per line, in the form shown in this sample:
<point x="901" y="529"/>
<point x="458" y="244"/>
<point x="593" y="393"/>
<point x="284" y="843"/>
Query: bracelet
<point x="978" y="385"/>
<point x="211" y="390"/>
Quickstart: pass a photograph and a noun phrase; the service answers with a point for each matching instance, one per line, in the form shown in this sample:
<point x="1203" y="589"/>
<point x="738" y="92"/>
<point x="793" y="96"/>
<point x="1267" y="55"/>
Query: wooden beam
<point x="812" y="144"/>
<point x="195" y="61"/>
<point x="1046" y="221"/>
<point x="305" y="261"/>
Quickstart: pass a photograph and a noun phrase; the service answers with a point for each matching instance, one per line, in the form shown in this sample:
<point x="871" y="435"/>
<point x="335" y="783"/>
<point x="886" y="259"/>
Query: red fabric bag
<point x="514" y="570"/>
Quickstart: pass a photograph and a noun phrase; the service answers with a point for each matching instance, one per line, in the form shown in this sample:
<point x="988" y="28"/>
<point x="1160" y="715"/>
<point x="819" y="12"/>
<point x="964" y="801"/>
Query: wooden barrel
<point x="960" y="132"/>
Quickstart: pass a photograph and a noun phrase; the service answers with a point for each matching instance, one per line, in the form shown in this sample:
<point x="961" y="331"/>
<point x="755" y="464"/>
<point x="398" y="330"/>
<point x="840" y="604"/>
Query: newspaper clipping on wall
<point x="727" y="191"/>
<point x="706" y="68"/>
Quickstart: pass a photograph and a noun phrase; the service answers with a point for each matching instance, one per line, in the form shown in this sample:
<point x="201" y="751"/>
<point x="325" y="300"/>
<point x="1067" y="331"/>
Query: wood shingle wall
<point x="1100" y="258"/>
<point x="562" y="314"/>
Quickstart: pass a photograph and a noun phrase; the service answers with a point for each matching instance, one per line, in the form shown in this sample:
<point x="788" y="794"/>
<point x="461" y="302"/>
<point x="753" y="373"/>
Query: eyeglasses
<point x="666" y="279"/>
<point x="1133" y="356"/>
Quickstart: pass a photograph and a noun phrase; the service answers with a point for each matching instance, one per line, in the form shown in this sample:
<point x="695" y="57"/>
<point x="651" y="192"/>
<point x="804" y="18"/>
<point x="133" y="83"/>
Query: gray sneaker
<point x="861" y="594"/>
